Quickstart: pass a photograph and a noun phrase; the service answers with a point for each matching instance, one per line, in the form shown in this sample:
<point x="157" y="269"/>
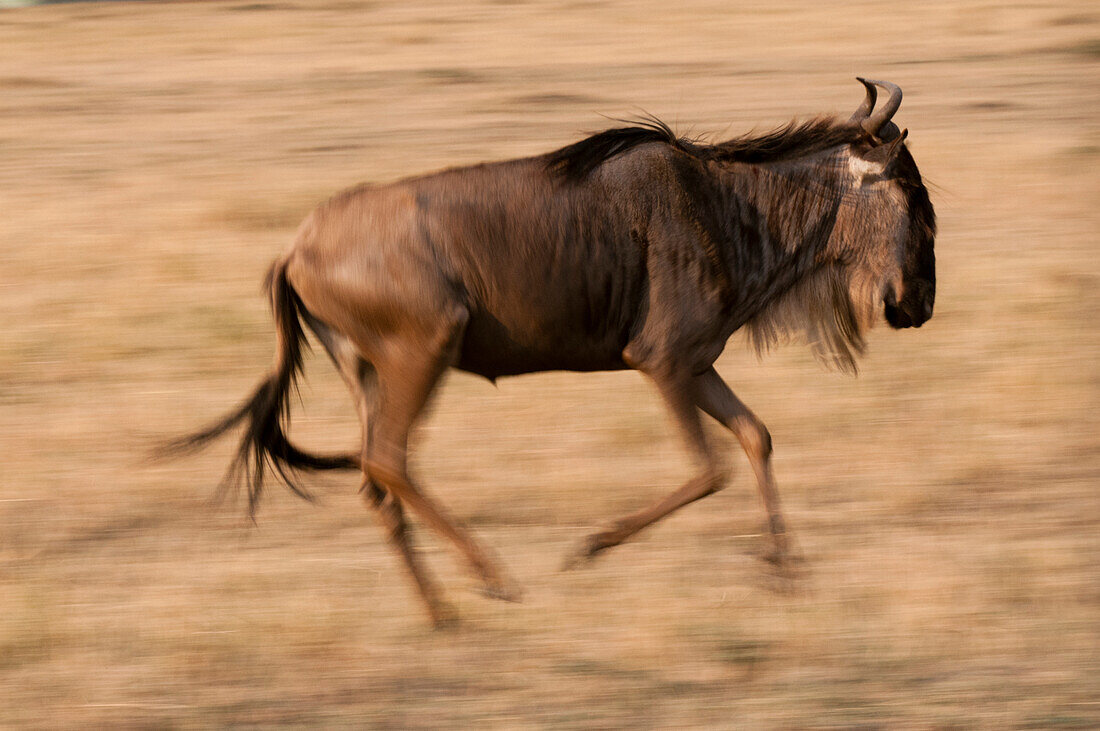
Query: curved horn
<point x="876" y="124"/>
<point x="868" y="102"/>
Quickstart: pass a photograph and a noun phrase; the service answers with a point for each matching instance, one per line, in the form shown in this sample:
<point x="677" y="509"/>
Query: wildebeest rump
<point x="629" y="249"/>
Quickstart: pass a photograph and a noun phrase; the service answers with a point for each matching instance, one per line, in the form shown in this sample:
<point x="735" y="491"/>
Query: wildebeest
<point x="631" y="248"/>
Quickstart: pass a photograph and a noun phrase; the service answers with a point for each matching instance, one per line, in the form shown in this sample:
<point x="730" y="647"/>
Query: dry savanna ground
<point x="155" y="157"/>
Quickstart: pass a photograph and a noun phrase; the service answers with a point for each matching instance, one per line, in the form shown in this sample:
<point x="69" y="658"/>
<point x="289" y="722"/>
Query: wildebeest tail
<point x="266" y="413"/>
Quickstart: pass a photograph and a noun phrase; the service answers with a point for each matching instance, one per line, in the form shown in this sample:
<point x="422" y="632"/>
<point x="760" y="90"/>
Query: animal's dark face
<point x="891" y="232"/>
<point x="896" y="221"/>
<point x="912" y="305"/>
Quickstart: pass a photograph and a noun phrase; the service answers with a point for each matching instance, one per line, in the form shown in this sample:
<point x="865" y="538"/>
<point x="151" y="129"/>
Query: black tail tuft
<point x="266" y="413"/>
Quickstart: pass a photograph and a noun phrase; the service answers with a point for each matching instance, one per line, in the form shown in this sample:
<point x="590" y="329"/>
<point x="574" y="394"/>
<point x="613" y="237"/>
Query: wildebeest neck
<point x="781" y="220"/>
<point x="792" y="281"/>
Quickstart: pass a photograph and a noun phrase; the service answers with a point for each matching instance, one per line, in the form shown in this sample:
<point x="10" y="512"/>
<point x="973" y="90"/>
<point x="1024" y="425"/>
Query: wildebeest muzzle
<point x="915" y="307"/>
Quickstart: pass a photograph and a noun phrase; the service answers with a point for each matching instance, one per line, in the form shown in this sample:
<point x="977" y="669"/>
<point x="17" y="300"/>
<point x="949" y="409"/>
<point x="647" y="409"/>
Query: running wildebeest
<point x="629" y="249"/>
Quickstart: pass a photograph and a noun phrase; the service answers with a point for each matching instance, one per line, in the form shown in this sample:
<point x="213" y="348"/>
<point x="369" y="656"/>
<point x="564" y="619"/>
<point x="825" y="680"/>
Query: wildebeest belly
<point x="492" y="348"/>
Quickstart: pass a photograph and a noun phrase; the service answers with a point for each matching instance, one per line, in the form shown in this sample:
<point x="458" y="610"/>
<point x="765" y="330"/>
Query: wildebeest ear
<point x="893" y="147"/>
<point x="886" y="154"/>
<point x="871" y="166"/>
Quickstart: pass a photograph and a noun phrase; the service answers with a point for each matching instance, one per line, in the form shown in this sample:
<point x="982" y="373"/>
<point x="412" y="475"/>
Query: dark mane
<point x="791" y="140"/>
<point x="578" y="160"/>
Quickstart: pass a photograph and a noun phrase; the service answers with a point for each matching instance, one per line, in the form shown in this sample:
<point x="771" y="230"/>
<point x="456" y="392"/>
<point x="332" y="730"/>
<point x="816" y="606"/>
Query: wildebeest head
<point x="892" y="208"/>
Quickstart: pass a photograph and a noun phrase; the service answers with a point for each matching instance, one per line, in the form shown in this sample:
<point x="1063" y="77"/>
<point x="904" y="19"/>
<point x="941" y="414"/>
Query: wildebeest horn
<point x="878" y="124"/>
<point x="868" y="102"/>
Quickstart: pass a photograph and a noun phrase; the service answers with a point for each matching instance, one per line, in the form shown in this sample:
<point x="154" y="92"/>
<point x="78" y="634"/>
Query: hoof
<point x="780" y="552"/>
<point x="503" y="592"/>
<point x="776" y="558"/>
<point x="444" y="616"/>
<point x="584" y="553"/>
<point x="445" y="624"/>
<point x="788" y="567"/>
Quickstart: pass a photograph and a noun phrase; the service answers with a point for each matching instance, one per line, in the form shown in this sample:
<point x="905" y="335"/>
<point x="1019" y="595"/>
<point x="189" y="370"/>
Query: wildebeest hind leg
<point x="678" y="393"/>
<point x="715" y="398"/>
<point x="361" y="378"/>
<point x="407" y="373"/>
<point x="393" y="520"/>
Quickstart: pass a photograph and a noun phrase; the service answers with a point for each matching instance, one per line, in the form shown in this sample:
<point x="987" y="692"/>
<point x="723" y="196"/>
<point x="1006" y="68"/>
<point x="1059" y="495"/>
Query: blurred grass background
<point x="154" y="157"/>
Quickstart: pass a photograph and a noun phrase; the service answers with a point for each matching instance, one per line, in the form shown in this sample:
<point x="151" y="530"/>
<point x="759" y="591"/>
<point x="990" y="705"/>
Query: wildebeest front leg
<point x="678" y="392"/>
<point x="715" y="398"/>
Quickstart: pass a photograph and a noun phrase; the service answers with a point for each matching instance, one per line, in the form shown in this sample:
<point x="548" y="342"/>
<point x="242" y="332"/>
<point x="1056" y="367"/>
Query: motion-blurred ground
<point x="155" y="157"/>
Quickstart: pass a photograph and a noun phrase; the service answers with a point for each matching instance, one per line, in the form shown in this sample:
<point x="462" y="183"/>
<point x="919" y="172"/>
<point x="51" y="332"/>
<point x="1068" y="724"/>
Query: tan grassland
<point x="154" y="158"/>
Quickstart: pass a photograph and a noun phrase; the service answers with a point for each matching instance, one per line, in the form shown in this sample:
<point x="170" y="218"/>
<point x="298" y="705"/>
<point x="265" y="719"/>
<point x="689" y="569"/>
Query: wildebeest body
<point x="629" y="249"/>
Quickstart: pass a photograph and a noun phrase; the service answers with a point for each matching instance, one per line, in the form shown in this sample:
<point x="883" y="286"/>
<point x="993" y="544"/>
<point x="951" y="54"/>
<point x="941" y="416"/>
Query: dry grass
<point x="155" y="157"/>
